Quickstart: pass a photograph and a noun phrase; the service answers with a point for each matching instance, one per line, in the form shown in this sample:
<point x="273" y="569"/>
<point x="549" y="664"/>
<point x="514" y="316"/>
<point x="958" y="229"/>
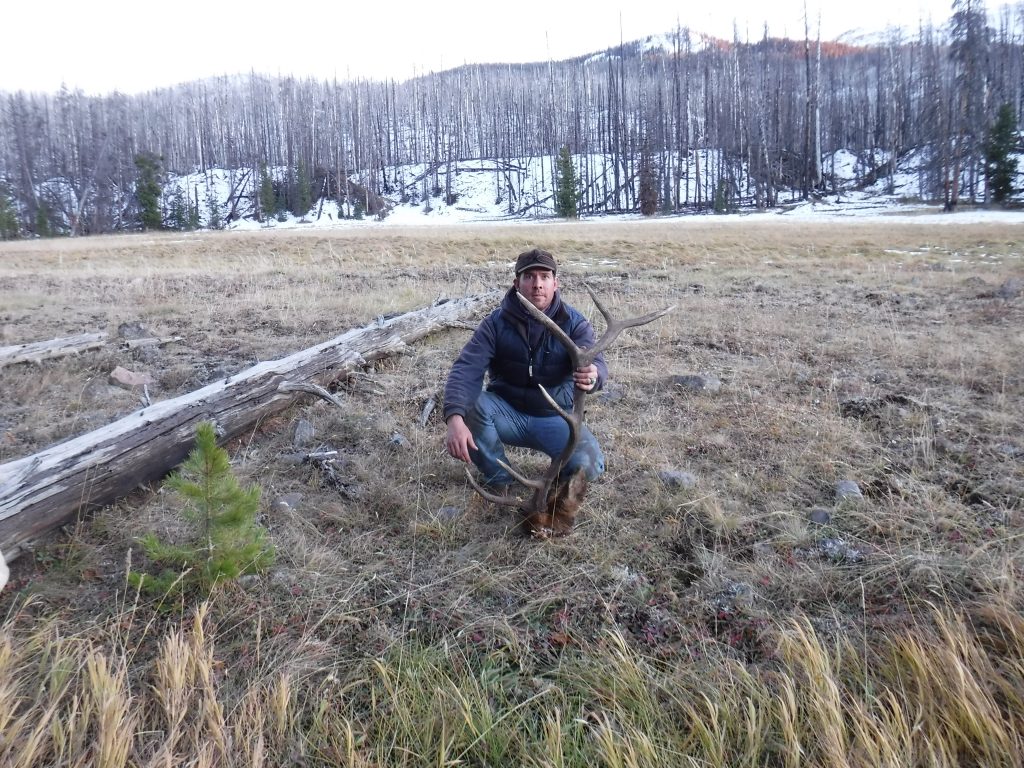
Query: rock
<point x="838" y="551"/>
<point x="286" y="502"/>
<point x="732" y="596"/>
<point x="122" y="377"/>
<point x="448" y="514"/>
<point x="819" y="515"/>
<point x="1010" y="289"/>
<point x="848" y="489"/>
<point x="147" y="355"/>
<point x="698" y="382"/>
<point x="399" y="440"/>
<point x="302" y="434"/>
<point x="98" y="391"/>
<point x="132" y="330"/>
<point x="673" y="478"/>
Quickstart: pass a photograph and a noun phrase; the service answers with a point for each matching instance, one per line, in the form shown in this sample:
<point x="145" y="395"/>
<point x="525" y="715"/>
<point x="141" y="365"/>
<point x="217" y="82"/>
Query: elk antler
<point x="542" y="511"/>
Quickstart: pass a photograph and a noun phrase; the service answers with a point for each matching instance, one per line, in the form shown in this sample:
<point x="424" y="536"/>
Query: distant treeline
<point x="767" y="111"/>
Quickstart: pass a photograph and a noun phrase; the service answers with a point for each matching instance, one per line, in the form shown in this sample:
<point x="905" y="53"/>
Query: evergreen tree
<point x="303" y="199"/>
<point x="566" y="192"/>
<point x="194" y="219"/>
<point x="43" y="227"/>
<point x="224" y="540"/>
<point x="1000" y="164"/>
<point x="179" y="214"/>
<point x="147" y="190"/>
<point x="214" y="219"/>
<point x="268" y="200"/>
<point x="9" y="228"/>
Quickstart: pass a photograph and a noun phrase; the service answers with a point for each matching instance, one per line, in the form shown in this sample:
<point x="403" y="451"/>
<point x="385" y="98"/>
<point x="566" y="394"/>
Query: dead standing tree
<point x="550" y="510"/>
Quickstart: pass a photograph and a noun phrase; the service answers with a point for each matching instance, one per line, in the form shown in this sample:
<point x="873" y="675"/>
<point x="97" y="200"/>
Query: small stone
<point x="448" y="514"/>
<point x="838" y="551"/>
<point x="848" y="489"/>
<point x="399" y="440"/>
<point x="132" y="330"/>
<point x="819" y="515"/>
<point x="1011" y="288"/>
<point x="286" y="502"/>
<point x="122" y="377"/>
<point x="97" y="391"/>
<point x="698" y="382"/>
<point x="303" y="434"/>
<point x="673" y="478"/>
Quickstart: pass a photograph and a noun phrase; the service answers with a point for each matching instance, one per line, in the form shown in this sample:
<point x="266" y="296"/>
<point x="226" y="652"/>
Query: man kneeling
<point x="517" y="353"/>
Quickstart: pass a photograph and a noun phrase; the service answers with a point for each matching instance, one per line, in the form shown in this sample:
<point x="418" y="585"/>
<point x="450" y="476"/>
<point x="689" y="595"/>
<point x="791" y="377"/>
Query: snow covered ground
<point x="479" y="200"/>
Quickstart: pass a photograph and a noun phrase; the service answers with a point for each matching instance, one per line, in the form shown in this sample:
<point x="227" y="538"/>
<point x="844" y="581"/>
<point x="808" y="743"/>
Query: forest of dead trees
<point x="762" y="113"/>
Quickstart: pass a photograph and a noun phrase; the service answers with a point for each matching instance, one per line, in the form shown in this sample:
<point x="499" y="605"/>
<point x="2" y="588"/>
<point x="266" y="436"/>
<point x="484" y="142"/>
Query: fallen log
<point x="37" y="351"/>
<point x="42" y="491"/>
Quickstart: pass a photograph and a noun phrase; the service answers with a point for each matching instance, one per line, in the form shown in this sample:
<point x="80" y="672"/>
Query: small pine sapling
<point x="224" y="540"/>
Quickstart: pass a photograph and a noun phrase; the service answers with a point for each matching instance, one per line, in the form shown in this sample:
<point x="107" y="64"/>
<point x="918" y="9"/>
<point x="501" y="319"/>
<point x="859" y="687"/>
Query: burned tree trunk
<point x="39" y="492"/>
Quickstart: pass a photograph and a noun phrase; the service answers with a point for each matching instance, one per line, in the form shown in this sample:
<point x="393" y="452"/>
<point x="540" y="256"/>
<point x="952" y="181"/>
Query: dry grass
<point x="718" y="625"/>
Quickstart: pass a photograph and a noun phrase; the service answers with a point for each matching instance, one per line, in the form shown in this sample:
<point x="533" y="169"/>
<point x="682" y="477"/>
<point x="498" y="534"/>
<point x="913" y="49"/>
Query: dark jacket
<point x="518" y="353"/>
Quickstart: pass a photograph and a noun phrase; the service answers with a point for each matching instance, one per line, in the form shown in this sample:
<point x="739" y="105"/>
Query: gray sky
<point x="105" y="45"/>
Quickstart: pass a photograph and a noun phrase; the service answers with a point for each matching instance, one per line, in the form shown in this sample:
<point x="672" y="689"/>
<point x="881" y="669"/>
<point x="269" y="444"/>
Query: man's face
<point x="538" y="286"/>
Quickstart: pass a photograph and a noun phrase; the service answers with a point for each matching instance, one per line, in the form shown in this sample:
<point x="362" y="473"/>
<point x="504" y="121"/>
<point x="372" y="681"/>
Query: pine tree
<point x="147" y="190"/>
<point x="9" y="228"/>
<point x="224" y="539"/>
<point x="214" y="219"/>
<point x="43" y="228"/>
<point x="178" y="216"/>
<point x="268" y="200"/>
<point x="303" y="199"/>
<point x="1000" y="164"/>
<point x="566" y="194"/>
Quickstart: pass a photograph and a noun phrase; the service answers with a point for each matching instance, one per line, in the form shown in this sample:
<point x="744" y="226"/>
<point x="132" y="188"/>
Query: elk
<point x="550" y="509"/>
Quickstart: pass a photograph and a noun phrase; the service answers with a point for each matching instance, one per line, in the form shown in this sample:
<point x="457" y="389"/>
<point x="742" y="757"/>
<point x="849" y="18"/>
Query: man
<point x="518" y="353"/>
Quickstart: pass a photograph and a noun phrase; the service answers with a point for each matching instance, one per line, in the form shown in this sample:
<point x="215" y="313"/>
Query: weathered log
<point x="40" y="492"/>
<point x="37" y="351"/>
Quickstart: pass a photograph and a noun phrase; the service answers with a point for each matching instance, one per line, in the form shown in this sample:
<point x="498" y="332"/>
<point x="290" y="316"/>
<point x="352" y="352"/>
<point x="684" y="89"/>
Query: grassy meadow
<point x="754" y="618"/>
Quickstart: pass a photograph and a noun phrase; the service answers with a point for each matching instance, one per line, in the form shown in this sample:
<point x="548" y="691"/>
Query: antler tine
<point x="572" y="419"/>
<point x="508" y="501"/>
<point x="528" y="482"/>
<point x="615" y="327"/>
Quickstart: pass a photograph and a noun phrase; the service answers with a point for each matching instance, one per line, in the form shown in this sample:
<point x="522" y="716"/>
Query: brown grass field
<point x="753" y="619"/>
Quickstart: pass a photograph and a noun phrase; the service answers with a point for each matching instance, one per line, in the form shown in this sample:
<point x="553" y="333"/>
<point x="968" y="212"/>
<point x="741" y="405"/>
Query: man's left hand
<point x="585" y="378"/>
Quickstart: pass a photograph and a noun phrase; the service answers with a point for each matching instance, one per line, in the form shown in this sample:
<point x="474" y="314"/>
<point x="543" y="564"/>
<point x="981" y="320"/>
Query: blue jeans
<point x="494" y="424"/>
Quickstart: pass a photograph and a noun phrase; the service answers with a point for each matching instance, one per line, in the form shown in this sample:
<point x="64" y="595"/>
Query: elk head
<point x="550" y="510"/>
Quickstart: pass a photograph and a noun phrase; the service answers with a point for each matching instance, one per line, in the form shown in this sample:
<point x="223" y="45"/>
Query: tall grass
<point x="946" y="690"/>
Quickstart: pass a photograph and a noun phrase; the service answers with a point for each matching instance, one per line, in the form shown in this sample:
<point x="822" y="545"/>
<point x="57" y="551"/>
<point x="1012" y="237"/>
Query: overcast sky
<point x="107" y="45"/>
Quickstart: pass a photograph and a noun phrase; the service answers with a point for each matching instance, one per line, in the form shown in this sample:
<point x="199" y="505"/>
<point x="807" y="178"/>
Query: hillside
<point x="673" y="125"/>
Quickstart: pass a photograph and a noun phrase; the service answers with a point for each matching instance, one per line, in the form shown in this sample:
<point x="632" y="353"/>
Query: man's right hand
<point x="459" y="439"/>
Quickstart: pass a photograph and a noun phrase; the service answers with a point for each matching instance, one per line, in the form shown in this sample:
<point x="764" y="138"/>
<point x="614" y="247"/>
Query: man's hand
<point x="459" y="439"/>
<point x="585" y="378"/>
